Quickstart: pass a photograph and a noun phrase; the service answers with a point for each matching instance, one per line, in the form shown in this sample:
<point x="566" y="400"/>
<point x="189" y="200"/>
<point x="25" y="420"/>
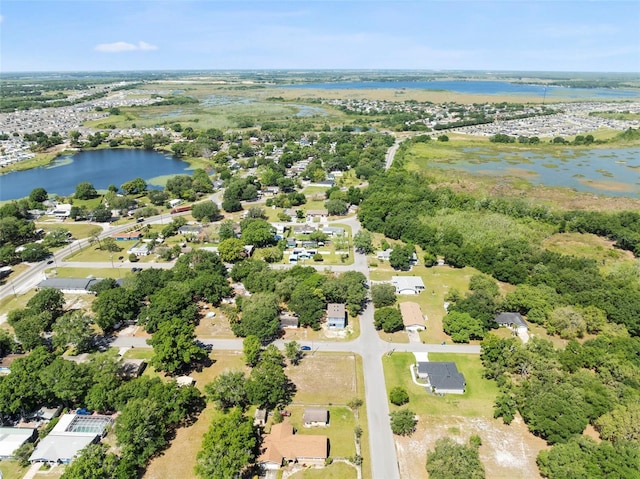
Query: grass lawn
<point x="52" y="473"/>
<point x="397" y="337"/>
<point x="9" y="303"/>
<point x="78" y="230"/>
<point x="140" y="353"/>
<point x="115" y="273"/>
<point x="11" y="470"/>
<point x="337" y="470"/>
<point x="352" y="331"/>
<point x="477" y="401"/>
<point x="93" y="253"/>
<point x="319" y="384"/>
<point x="314" y="190"/>
<point x="216" y="327"/>
<point x="340" y="429"/>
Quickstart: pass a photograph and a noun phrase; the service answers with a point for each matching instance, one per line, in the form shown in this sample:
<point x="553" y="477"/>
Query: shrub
<point x="399" y="396"/>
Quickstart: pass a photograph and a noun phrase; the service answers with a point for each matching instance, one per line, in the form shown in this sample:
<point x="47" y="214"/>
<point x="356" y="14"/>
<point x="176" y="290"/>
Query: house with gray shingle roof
<point x="442" y="378"/>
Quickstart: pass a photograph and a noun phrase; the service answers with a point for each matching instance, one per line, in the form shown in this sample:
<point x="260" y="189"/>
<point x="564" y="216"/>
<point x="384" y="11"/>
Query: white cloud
<point x="1" y="18"/>
<point x="118" y="47"/>
<point x="146" y="46"/>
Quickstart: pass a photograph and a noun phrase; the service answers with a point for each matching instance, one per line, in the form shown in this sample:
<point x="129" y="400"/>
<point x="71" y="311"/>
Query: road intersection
<point x="369" y="345"/>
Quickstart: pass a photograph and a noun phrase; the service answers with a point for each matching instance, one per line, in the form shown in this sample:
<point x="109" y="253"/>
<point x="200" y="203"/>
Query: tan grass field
<point x="322" y="385"/>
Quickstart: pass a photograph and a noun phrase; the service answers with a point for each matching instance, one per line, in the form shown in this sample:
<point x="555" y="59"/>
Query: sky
<point x="520" y="35"/>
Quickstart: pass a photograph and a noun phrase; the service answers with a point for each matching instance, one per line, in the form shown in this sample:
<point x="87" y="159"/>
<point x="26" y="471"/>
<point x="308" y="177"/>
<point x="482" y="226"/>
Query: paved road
<point x="384" y="462"/>
<point x="391" y="152"/>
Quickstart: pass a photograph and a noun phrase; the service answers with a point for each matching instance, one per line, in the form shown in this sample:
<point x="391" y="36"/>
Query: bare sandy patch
<point x="507" y="452"/>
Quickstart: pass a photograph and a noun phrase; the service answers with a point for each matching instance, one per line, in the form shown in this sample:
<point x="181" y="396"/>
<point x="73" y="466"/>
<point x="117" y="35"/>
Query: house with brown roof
<point x="283" y="445"/>
<point x="412" y="317"/>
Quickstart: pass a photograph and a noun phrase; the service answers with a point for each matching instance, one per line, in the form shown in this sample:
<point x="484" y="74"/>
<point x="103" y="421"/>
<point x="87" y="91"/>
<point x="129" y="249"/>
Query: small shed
<point x="288" y="321"/>
<point x="184" y="381"/>
<point x="336" y="315"/>
<point x="132" y="368"/>
<point x="315" y="417"/>
<point x="260" y="417"/>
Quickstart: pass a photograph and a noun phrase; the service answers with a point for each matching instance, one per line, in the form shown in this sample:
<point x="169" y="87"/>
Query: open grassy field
<point x="321" y="385"/>
<point x="120" y="271"/>
<point x="588" y="246"/>
<point x="507" y="451"/>
<point x="9" y="303"/>
<point x="78" y="230"/>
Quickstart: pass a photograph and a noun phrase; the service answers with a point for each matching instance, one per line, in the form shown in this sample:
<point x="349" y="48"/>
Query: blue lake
<point x="478" y="87"/>
<point x="604" y="171"/>
<point x="99" y="167"/>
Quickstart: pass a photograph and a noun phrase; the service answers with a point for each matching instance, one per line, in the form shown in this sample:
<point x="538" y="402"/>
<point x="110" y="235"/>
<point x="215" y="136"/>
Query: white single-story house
<point x="61" y="211"/>
<point x="315" y="417"/>
<point x="412" y="316"/>
<point x="71" y="434"/>
<point x="333" y="230"/>
<point x="514" y="321"/>
<point x="442" y="378"/>
<point x="11" y="438"/>
<point x="139" y="250"/>
<point x="317" y="214"/>
<point x="408" y="284"/>
<point x="69" y="285"/>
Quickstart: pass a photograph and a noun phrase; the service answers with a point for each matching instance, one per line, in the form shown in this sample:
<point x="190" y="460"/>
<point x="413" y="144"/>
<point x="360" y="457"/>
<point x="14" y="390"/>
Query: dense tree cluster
<point x="306" y="291"/>
<point x="450" y="460"/>
<point x="42" y="311"/>
<point x="395" y="203"/>
<point x="559" y="392"/>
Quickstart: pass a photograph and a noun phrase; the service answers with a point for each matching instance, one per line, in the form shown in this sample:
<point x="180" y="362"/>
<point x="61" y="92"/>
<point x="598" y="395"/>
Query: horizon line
<point x="303" y="70"/>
